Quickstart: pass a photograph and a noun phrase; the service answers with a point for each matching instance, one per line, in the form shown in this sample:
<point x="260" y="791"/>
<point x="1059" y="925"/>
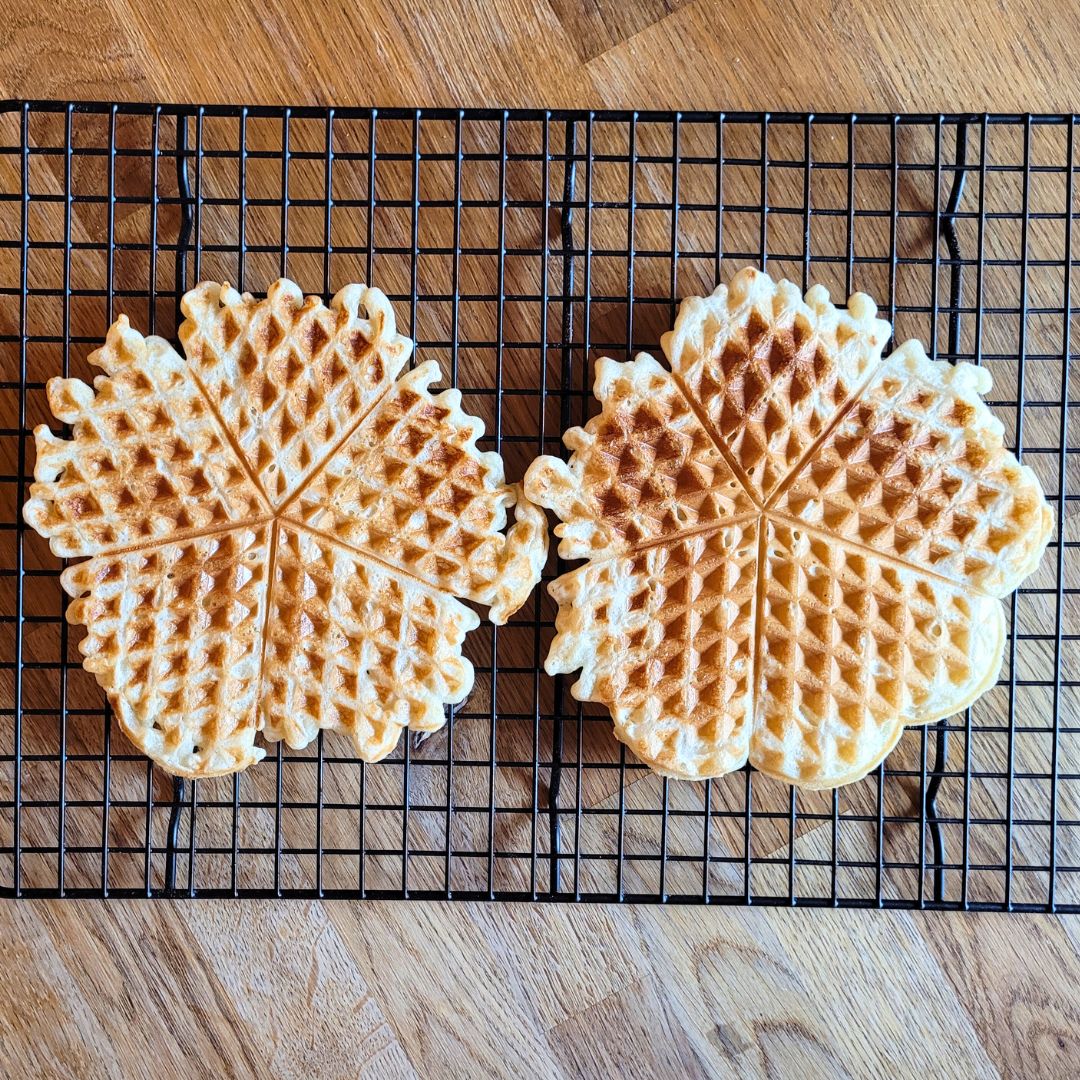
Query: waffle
<point x="769" y="368"/>
<point x="275" y="528"/>
<point x="918" y="471"/>
<point x="848" y="582"/>
<point x="852" y="648"/>
<point x="145" y="462"/>
<point x="413" y="489"/>
<point x="173" y="635"/>
<point x="355" y="648"/>
<point x="664" y="638"/>
<point x="288" y="378"/>
<point x="644" y="469"/>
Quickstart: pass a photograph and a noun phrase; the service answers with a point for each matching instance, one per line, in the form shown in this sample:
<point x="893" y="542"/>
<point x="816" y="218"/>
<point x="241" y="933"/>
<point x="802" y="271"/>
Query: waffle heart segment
<point x="173" y="635"/>
<point x="644" y="469"/>
<point x="918" y="470"/>
<point x="146" y="460"/>
<point x="851" y="648"/>
<point x="288" y="377"/>
<point x="771" y="369"/>
<point x="353" y="648"/>
<point x="412" y="488"/>
<point x="664" y="638"/>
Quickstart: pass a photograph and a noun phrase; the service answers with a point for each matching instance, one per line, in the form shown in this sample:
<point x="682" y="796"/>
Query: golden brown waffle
<point x="146" y="460"/>
<point x="645" y="468"/>
<point x="288" y="378"/>
<point x="845" y="587"/>
<point x="278" y="529"/>
<point x="173" y="634"/>
<point x="770" y="368"/>
<point x="664" y="638"/>
<point x="917" y="470"/>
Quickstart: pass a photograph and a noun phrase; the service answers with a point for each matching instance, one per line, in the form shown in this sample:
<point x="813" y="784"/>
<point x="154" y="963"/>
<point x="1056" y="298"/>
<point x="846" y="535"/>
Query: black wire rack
<point x="519" y="246"/>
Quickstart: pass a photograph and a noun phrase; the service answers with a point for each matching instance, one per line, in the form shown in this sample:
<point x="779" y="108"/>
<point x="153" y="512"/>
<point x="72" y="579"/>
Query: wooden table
<point x="386" y="989"/>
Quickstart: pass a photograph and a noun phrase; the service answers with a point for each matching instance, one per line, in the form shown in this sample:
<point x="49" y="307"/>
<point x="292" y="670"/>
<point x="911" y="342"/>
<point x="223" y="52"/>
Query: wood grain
<point x="382" y="989"/>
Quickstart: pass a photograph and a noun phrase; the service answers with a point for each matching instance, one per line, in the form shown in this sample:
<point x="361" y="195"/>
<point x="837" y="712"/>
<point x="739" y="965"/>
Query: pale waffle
<point x="251" y="567"/>
<point x="847" y="585"/>
<point x="853" y="647"/>
<point x="289" y="378"/>
<point x="412" y="488"/>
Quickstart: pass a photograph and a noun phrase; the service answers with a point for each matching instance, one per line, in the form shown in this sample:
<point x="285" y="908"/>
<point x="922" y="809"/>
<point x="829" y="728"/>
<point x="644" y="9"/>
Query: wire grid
<point x="517" y="248"/>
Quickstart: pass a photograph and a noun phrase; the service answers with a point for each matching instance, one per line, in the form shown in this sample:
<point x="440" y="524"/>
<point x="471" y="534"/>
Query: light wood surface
<point x="389" y="989"/>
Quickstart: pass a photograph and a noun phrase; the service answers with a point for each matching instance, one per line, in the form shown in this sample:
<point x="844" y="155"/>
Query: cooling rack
<point x="519" y="246"/>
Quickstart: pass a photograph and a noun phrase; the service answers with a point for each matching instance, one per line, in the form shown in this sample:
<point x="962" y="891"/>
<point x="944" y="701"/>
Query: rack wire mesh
<point x="518" y="246"/>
